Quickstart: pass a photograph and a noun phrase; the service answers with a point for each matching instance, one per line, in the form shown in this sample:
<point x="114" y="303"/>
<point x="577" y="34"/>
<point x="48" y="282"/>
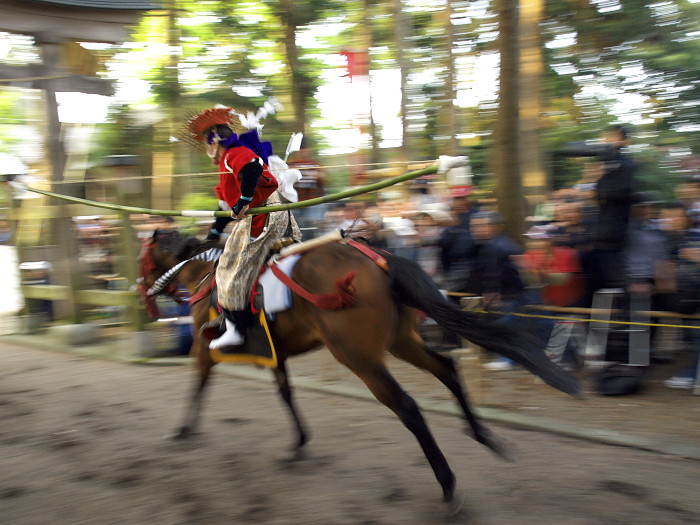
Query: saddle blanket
<point x="277" y="297"/>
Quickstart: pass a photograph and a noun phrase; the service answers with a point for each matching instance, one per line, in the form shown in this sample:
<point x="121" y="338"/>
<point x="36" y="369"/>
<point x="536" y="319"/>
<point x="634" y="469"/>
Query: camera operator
<point x="614" y="194"/>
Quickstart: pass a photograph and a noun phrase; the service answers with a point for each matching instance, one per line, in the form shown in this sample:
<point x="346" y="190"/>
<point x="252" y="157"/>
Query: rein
<point x="204" y="292"/>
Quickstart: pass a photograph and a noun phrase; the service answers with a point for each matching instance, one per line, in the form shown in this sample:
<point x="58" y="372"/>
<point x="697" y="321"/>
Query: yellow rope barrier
<point x="580" y="320"/>
<point x="586" y="311"/>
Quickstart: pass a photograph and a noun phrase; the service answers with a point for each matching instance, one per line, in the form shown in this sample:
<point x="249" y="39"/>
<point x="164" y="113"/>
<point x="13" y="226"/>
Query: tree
<point x="507" y="152"/>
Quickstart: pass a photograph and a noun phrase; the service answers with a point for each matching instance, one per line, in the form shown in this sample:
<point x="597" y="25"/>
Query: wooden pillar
<point x="65" y="269"/>
<point x="128" y="270"/>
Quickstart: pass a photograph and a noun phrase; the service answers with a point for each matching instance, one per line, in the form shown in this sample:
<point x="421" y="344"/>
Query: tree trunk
<point x="531" y="68"/>
<point x="298" y="84"/>
<point x="368" y="43"/>
<point x="402" y="62"/>
<point x="506" y="162"/>
<point x="448" y="111"/>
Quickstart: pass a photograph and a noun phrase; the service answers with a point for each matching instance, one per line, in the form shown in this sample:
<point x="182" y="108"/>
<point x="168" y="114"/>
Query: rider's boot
<point x="236" y="323"/>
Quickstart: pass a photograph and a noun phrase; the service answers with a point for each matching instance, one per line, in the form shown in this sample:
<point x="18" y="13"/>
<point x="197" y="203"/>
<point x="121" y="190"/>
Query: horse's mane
<point x="189" y="249"/>
<point x="193" y="246"/>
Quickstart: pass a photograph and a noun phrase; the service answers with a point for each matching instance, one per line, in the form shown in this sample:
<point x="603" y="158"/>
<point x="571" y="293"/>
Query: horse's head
<point x="158" y="255"/>
<point x="163" y="250"/>
<point x="164" y="247"/>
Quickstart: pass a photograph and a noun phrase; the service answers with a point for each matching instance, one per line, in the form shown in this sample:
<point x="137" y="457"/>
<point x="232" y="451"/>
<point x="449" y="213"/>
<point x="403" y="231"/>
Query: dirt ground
<point x="655" y="411"/>
<point x="82" y="441"/>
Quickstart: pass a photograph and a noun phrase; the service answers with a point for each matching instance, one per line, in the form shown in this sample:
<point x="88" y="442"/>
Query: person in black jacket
<point x="614" y="193"/>
<point x="494" y="274"/>
<point x="456" y="243"/>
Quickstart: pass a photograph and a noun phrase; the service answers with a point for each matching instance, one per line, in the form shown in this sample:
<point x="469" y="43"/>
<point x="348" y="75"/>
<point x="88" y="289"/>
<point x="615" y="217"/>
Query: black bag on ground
<point x="619" y="380"/>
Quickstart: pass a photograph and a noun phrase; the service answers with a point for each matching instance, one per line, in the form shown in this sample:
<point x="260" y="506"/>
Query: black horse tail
<point x="414" y="288"/>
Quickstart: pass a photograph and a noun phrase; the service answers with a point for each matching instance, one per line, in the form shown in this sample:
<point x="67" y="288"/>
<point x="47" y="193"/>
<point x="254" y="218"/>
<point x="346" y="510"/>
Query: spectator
<point x="646" y="246"/>
<point x="554" y="271"/>
<point x="428" y="225"/>
<point x="456" y="243"/>
<point x="689" y="292"/>
<point x="688" y="194"/>
<point x="5" y="232"/>
<point x="575" y="228"/>
<point x="646" y="254"/>
<point x="399" y="231"/>
<point x="614" y="191"/>
<point x="493" y="274"/>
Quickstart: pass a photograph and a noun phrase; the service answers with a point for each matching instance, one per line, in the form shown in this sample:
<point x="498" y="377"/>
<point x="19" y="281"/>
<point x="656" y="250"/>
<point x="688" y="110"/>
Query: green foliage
<point x="13" y="115"/>
<point x="643" y="48"/>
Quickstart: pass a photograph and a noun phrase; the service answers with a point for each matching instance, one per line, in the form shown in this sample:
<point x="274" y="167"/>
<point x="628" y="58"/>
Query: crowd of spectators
<point x="599" y="234"/>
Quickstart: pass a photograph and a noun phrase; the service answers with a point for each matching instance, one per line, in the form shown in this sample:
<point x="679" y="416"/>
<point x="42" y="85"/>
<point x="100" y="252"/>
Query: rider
<point x="245" y="181"/>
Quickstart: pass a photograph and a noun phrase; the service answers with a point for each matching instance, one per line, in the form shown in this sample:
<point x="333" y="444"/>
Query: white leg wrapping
<point x="230" y="337"/>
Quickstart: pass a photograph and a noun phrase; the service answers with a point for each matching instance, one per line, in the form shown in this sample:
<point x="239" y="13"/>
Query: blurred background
<point x="94" y="106"/>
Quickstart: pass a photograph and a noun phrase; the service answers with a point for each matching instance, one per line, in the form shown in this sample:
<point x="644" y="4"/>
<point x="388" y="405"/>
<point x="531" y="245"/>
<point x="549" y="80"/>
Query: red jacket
<point x="229" y="188"/>
<point x="559" y="259"/>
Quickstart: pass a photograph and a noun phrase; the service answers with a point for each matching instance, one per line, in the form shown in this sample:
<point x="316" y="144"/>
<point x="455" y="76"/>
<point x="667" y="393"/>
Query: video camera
<point x="603" y="152"/>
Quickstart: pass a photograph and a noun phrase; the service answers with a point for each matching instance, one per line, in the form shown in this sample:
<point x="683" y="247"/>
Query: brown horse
<point x="383" y="319"/>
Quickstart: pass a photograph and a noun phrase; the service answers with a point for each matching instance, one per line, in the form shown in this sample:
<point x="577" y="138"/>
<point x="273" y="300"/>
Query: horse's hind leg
<point x="388" y="391"/>
<point x="285" y="391"/>
<point x="410" y="347"/>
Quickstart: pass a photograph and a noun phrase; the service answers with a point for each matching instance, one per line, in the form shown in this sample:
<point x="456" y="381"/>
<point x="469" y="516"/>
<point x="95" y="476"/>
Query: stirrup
<point x="213" y="329"/>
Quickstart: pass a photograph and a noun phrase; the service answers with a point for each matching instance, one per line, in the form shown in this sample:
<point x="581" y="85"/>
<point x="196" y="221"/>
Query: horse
<point x="383" y="319"/>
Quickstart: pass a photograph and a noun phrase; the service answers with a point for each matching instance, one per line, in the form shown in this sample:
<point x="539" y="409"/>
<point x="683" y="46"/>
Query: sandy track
<point x="81" y="442"/>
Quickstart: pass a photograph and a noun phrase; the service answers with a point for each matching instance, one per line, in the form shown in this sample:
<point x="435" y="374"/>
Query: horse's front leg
<point x="285" y="391"/>
<point x="194" y="407"/>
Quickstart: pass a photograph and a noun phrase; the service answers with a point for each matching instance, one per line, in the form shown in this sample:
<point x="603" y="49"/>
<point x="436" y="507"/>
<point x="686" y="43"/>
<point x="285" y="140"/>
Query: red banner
<point x="358" y="63"/>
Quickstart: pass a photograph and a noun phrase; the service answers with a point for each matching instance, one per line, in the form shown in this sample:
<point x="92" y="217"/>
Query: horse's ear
<point x="154" y="235"/>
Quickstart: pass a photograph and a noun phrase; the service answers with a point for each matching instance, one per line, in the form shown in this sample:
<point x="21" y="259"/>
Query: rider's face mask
<point x="212" y="144"/>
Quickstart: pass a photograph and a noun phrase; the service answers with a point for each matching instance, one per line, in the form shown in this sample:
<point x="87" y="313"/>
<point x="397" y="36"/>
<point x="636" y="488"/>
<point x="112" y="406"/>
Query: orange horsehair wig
<point x="199" y="124"/>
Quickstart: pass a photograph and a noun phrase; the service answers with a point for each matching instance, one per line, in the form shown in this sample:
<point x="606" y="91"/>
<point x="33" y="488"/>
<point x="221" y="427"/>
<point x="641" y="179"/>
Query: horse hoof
<point x="503" y="448"/>
<point x="182" y="432"/>
<point x="455" y="503"/>
<point x="297" y="454"/>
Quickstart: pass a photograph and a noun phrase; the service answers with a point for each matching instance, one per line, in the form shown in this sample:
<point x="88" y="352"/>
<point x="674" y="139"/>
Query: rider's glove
<point x="242" y="203"/>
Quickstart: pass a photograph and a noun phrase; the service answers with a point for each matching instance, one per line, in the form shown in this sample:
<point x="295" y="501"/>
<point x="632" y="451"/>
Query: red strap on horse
<point x="369" y="252"/>
<point x="343" y="297"/>
<point x="204" y="292"/>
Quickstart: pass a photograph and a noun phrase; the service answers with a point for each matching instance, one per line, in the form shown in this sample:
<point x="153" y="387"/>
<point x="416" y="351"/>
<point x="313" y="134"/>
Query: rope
<point x="262" y="209"/>
<point x="580" y="320"/>
<point x="585" y="311"/>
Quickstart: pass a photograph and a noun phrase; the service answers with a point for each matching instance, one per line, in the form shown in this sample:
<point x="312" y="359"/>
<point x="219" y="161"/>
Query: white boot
<point x="230" y="337"/>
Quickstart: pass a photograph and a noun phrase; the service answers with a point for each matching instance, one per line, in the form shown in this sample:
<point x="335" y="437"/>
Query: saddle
<point x="259" y="347"/>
